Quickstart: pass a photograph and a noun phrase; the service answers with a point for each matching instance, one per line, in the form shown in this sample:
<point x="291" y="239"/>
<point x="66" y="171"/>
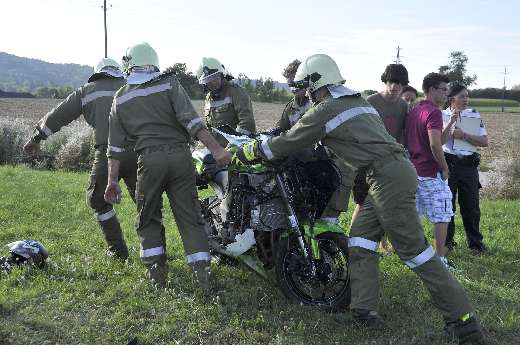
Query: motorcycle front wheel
<point x="329" y="286"/>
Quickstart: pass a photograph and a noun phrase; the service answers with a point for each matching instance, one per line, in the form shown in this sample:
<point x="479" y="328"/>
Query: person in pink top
<point x="423" y="141"/>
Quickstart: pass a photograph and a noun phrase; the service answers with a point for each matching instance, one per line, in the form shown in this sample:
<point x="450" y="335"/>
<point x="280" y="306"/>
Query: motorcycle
<point x="267" y="215"/>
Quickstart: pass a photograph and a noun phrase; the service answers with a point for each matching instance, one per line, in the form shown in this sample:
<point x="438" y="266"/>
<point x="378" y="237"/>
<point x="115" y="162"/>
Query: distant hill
<point x="19" y="74"/>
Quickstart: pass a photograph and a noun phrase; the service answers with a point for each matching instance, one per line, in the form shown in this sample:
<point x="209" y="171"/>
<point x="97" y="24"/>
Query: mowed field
<point x="501" y="127"/>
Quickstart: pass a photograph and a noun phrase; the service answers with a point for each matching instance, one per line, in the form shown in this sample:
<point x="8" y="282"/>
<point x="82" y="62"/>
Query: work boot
<point x="158" y="274"/>
<point x="368" y="318"/>
<point x="202" y="276"/>
<point x="465" y="330"/>
<point x="114" y="237"/>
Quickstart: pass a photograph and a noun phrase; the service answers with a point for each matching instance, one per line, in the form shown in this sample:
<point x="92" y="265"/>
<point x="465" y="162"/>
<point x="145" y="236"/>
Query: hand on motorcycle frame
<point x="246" y="154"/>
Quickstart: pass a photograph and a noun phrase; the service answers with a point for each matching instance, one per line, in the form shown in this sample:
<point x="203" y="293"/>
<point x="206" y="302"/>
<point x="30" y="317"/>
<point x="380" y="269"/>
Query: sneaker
<point x="480" y="249"/>
<point x="465" y="330"/>
<point x="451" y="245"/>
<point x="368" y="318"/>
<point x="449" y="264"/>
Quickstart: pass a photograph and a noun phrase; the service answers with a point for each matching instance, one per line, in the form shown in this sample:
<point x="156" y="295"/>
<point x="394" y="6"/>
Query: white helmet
<point x="316" y="71"/>
<point x="140" y="55"/>
<point x="209" y="69"/>
<point x="29" y="250"/>
<point x="106" y="63"/>
<point x="106" y="66"/>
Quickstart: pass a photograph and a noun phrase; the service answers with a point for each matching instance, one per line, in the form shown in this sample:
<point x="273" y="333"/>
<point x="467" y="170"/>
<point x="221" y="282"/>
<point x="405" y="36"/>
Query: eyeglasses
<point x="445" y="89"/>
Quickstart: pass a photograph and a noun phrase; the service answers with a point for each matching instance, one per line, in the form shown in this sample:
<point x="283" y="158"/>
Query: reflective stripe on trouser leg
<point x="103" y="216"/>
<point x="113" y="235"/>
<point x="362" y="243"/>
<point x="364" y="275"/>
<point x="420" y="259"/>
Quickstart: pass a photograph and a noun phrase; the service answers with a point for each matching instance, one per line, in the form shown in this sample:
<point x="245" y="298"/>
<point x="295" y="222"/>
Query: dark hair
<point x="411" y="89"/>
<point x="455" y="88"/>
<point x="433" y="80"/>
<point x="395" y="72"/>
<point x="291" y="68"/>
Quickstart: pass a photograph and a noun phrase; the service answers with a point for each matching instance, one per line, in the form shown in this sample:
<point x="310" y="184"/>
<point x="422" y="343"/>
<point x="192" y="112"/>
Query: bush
<point x="77" y="153"/>
<point x="70" y="149"/>
<point x="504" y="175"/>
<point x="13" y="135"/>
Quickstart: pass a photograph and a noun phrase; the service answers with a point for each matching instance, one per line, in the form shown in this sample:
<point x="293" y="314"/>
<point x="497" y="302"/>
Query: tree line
<point x="267" y="90"/>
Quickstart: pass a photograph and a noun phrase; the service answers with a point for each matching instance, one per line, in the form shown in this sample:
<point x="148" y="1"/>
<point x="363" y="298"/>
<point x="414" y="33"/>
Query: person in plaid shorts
<point x="423" y="140"/>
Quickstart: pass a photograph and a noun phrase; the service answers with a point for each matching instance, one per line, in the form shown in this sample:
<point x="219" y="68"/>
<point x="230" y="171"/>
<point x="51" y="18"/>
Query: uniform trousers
<point x="168" y="168"/>
<point x="105" y="213"/>
<point x="390" y="209"/>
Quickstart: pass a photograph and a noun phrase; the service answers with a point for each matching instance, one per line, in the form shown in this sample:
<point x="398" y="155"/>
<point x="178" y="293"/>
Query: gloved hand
<point x="246" y="154"/>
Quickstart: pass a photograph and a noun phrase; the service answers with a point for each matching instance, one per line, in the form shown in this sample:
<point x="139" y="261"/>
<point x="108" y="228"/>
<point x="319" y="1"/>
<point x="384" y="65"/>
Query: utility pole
<point x="104" y="7"/>
<point x="504" y="89"/>
<point x="398" y="56"/>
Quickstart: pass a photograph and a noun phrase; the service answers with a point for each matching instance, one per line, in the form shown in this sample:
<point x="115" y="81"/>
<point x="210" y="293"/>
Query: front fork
<point x="293" y="222"/>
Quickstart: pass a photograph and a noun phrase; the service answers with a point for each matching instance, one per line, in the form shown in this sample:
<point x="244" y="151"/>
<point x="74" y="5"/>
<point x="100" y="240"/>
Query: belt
<point x="473" y="159"/>
<point x="104" y="147"/>
<point x="162" y="148"/>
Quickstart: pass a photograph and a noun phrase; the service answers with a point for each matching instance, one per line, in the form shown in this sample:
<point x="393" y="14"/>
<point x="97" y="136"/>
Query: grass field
<point x="82" y="297"/>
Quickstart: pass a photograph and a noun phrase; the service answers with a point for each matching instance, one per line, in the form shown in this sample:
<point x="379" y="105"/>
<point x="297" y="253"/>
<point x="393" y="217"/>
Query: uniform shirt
<point x="348" y="125"/>
<point x="156" y="112"/>
<point x="393" y="114"/>
<point x="446" y="115"/>
<point x="424" y="116"/>
<point x="93" y="100"/>
<point x="231" y="107"/>
<point x="291" y="114"/>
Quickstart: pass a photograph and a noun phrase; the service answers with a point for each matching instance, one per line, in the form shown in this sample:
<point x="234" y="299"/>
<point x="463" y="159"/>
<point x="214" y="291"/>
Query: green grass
<point x="82" y="297"/>
<point x="489" y="102"/>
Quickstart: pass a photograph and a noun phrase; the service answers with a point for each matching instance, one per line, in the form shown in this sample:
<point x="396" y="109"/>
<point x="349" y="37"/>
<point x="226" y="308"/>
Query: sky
<point x="259" y="38"/>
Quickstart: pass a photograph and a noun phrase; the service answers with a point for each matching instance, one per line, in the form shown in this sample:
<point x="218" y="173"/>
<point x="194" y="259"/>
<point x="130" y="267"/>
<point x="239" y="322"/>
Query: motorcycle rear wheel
<point x="329" y="287"/>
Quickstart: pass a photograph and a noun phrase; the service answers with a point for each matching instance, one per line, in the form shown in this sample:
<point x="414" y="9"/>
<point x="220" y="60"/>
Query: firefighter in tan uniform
<point x="348" y="125"/>
<point x="94" y="100"/>
<point x="226" y="103"/>
<point x="292" y="112"/>
<point x="155" y="111"/>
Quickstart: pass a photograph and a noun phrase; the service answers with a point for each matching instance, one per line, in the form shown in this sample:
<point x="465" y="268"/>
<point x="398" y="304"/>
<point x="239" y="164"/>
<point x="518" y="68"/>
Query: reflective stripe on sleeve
<point x="95" y="95"/>
<point x="266" y="149"/>
<point x="420" y="259"/>
<point x="193" y="123"/>
<point x="142" y="92"/>
<point x="243" y="131"/>
<point x="146" y="253"/>
<point x="362" y="243"/>
<point x="116" y="149"/>
<point x="339" y="119"/>
<point x="46" y="130"/>
<point x="199" y="256"/>
<point x="105" y="216"/>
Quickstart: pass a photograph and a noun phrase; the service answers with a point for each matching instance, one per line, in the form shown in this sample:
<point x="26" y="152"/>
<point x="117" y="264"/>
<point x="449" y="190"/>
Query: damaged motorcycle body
<point x="268" y="217"/>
